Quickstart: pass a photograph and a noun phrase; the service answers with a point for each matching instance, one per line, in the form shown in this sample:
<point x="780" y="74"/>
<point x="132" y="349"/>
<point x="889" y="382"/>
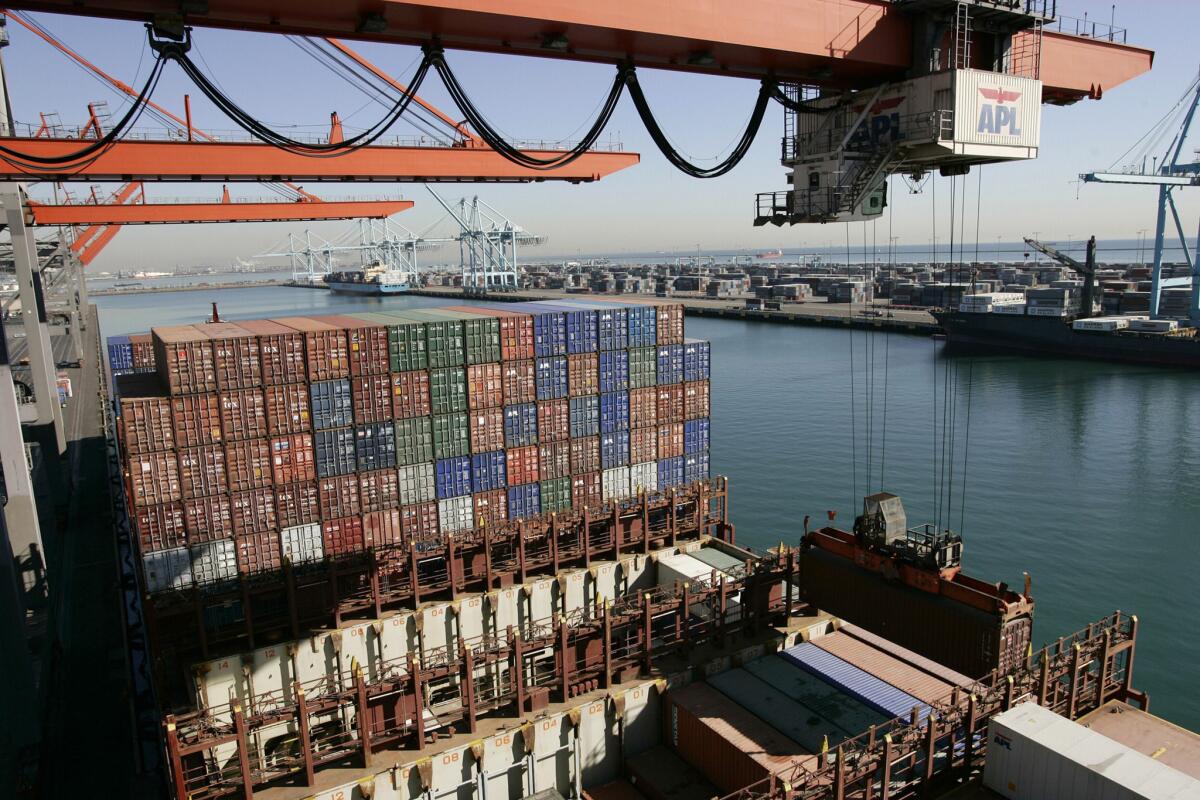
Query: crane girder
<point x="178" y="213"/>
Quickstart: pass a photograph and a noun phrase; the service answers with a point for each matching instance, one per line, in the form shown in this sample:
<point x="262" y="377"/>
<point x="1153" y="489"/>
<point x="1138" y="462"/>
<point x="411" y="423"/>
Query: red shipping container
<point x="554" y="460"/>
<point x="202" y="471"/>
<point x="372" y="397"/>
<point x="516" y="331"/>
<point x="695" y="400"/>
<point x="382" y="528"/>
<point x="585" y="455"/>
<point x="643" y="445"/>
<point x="208" y="518"/>
<point x="410" y="394"/>
<point x="259" y="552"/>
<point x="522" y="465"/>
<point x="342" y="536"/>
<point x="292" y="458"/>
<point x="485" y="386"/>
<point x="367" y="343"/>
<point x="287" y="409"/>
<point x="339" y="496"/>
<point x="419" y="522"/>
<point x="670" y="440"/>
<point x="281" y="350"/>
<point x="253" y="512"/>
<point x="491" y="508"/>
<point x="519" y="385"/>
<point x="243" y="414"/>
<point x="183" y="355"/>
<point x="297" y="504"/>
<point x="670" y="404"/>
<point x="248" y="464"/>
<point x="146" y="424"/>
<point x="142" y="345"/>
<point x="554" y="420"/>
<point x="487" y="430"/>
<point x="379" y="490"/>
<point x="583" y="374"/>
<point x="196" y="419"/>
<point x="236" y="356"/>
<point x="154" y="478"/>
<point x="643" y="407"/>
<point x="669" y="317"/>
<point x="585" y="490"/>
<point x="325" y="348"/>
<point x="161" y="527"/>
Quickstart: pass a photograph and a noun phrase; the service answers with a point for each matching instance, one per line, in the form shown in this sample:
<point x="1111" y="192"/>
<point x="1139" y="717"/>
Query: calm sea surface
<point x="1085" y="475"/>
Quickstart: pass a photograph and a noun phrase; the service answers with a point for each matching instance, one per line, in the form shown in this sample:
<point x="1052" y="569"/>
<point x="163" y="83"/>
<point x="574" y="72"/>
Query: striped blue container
<point x="452" y="477"/>
<point x="643" y="326"/>
<point x="120" y="355"/>
<point x="331" y="404"/>
<point x="670" y="472"/>
<point x="697" y="356"/>
<point x="670" y="364"/>
<point x="549" y="326"/>
<point x="614" y="449"/>
<point x="335" y="452"/>
<point x="878" y="694"/>
<point x="614" y="412"/>
<point x="488" y="471"/>
<point x="524" y="501"/>
<point x="582" y="335"/>
<point x="550" y="377"/>
<point x="695" y="467"/>
<point x="695" y="435"/>
<point x="614" y="370"/>
<point x="520" y="425"/>
<point x="585" y="416"/>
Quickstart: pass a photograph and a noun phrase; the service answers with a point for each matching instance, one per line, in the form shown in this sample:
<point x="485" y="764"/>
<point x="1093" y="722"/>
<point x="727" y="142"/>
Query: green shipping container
<point x="556" y="495"/>
<point x="643" y="367"/>
<point x="444" y="336"/>
<point x="414" y="441"/>
<point x="448" y="390"/>
<point x="481" y="334"/>
<point x="407" y="348"/>
<point x="451" y="436"/>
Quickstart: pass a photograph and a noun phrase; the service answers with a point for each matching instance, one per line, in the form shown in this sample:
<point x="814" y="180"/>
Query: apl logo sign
<point x="996" y="117"/>
<point x="882" y="123"/>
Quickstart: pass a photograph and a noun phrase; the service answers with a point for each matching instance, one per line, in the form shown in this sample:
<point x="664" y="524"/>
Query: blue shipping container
<point x="872" y="691"/>
<point x="550" y="377"/>
<point x="614" y="412"/>
<point x="453" y="477"/>
<point x="614" y="370"/>
<point x="696" y="359"/>
<point x="695" y="467"/>
<point x="582" y="333"/>
<point x="549" y="334"/>
<point x="585" y="416"/>
<point x="670" y="472"/>
<point x="670" y="364"/>
<point x="331" y="404"/>
<point x="375" y="445"/>
<point x="643" y="326"/>
<point x="524" y="501"/>
<point x="614" y="449"/>
<point x="120" y="355"/>
<point x="613" y="327"/>
<point x="695" y="435"/>
<point x="335" y="452"/>
<point x="488" y="472"/>
<point x="520" y="425"/>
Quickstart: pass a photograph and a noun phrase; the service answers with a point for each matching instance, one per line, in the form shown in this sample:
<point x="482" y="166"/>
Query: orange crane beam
<point x="832" y="43"/>
<point x="180" y="213"/>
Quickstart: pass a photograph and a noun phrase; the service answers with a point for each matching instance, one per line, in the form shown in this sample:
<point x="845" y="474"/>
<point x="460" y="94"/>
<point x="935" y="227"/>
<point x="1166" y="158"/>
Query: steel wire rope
<point x="887" y="343"/>
<point x="933" y="418"/>
<point x="854" y="498"/>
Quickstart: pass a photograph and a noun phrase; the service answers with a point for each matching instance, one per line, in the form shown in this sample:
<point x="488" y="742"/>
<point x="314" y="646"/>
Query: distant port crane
<point x="488" y="243"/>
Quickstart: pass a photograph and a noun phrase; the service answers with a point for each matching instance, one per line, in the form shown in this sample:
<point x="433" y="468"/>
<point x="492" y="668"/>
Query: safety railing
<point x="1088" y="28"/>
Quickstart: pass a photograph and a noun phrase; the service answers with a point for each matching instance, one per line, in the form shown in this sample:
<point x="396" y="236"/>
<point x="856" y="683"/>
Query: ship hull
<point x="367" y="288"/>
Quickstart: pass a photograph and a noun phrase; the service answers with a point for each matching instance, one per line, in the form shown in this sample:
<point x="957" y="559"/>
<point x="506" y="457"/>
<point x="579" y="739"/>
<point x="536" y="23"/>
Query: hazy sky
<point x="647" y="208"/>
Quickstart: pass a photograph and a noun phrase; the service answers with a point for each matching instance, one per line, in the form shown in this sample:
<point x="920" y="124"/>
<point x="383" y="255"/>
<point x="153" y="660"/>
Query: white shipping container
<point x="643" y="477"/>
<point x="614" y="483"/>
<point x="454" y="514"/>
<point x="1034" y="753"/>
<point x="1153" y="325"/>
<point x="975" y="308"/>
<point x="1045" y="311"/>
<point x="302" y="544"/>
<point x="1101" y="324"/>
<point x="416" y="484"/>
<point x="167" y="569"/>
<point x="214" y="562"/>
<point x="682" y="568"/>
<point x="1012" y="308"/>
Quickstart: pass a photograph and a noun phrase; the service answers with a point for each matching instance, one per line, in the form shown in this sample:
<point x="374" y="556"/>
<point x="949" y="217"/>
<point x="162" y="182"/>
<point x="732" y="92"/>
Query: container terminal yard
<point x="478" y="549"/>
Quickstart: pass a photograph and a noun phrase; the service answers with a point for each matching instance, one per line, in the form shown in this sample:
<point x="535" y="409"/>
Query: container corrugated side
<point x="799" y="723"/>
<point x="455" y="513"/>
<point x="416" y="484"/>
<point x="554" y="420"/>
<point x="849" y="715"/>
<point x="917" y="660"/>
<point x="243" y="414"/>
<point x="410" y="394"/>
<point x="184" y="358"/>
<point x="584" y="416"/>
<point x="236" y="356"/>
<point x="302" y="544"/>
<point x="872" y="691"/>
<point x="520" y="385"/>
<point x="524" y="501"/>
<point x="451" y="435"/>
<point x="167" y="570"/>
<point x="331" y="403"/>
<point x="281" y="352"/>
<point x="886" y="667"/>
<point x="146" y="424"/>
<point x="554" y="460"/>
<point x="326" y="351"/>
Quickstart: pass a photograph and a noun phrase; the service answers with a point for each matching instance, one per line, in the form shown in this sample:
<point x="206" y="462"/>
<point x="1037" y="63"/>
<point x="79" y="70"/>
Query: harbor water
<point x="1081" y="473"/>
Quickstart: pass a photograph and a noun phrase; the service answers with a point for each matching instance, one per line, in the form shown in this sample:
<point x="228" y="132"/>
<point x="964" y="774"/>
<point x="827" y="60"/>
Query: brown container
<point x="586" y="490"/>
<point x="382" y="528"/>
<point x="325" y="349"/>
<point x="487" y="430"/>
<point x="519" y="385"/>
<point x="202" y="471"/>
<point x="243" y="414"/>
<point x="643" y="407"/>
<point x="154" y="478"/>
<point x="253" y="512"/>
<point x="146" y="424"/>
<point x="643" y="445"/>
<point x="522" y="465"/>
<point x="419" y="522"/>
<point x="292" y="459"/>
<point x="886" y="667"/>
<point x="695" y="400"/>
<point x="926" y="665"/>
<point x="208" y="518"/>
<point x="368" y="344"/>
<point x="183" y="356"/>
<point x="554" y="420"/>
<point x="670" y="404"/>
<point x="485" y="387"/>
<point x="287" y="409"/>
<point x="490" y="508"/>
<point x="670" y="440"/>
<point x="339" y="496"/>
<point x="585" y="455"/>
<point x="516" y="330"/>
<point x="236" y="356"/>
<point x="342" y="536"/>
<point x="410" y="394"/>
<point x="142" y="345"/>
<point x="583" y="374"/>
<point x="196" y="419"/>
<point x="297" y="504"/>
<point x="259" y="553"/>
<point x="670" y="323"/>
<point x="160" y="527"/>
<point x="372" y="398"/>
<point x="379" y="490"/>
<point x="248" y="464"/>
<point x="281" y="351"/>
<point x="554" y="460"/>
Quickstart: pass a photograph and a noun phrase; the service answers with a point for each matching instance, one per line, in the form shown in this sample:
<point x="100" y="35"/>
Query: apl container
<point x="585" y="416"/>
<point x="614" y="449"/>
<point x="670" y="472"/>
<point x="520" y="425"/>
<point x="614" y="412"/>
<point x="695" y="436"/>
<point x="488" y="471"/>
<point x="670" y="364"/>
<point x="696" y="358"/>
<point x="550" y="377"/>
<point x="524" y="501"/>
<point x="452" y="477"/>
<point x="614" y="371"/>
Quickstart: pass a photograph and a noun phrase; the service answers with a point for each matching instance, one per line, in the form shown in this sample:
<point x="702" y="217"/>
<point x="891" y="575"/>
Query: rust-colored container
<point x="583" y="374"/>
<point x="367" y="342"/>
<point x="516" y="331"/>
<point x="154" y="478"/>
<point x="554" y="460"/>
<point x="670" y="323"/>
<point x="490" y="508"/>
<point x="146" y="424"/>
<point x="554" y="420"/>
<point x="695" y="400"/>
<point x="342" y="536"/>
<point x="196" y="419"/>
<point x="643" y="445"/>
<point x="379" y="490"/>
<point x="670" y="404"/>
<point x="886" y="667"/>
<point x="248" y="464"/>
<point x="419" y="522"/>
<point x="243" y="414"/>
<point x="487" y="430"/>
<point x="643" y="407"/>
<point x="236" y="356"/>
<point x="292" y="459"/>
<point x="485" y="387"/>
<point x="142" y="347"/>
<point x="281" y="351"/>
<point x="522" y="465"/>
<point x="253" y="511"/>
<point x="297" y="504"/>
<point x="670" y="440"/>
<point x="382" y="528"/>
<point x="208" y="518"/>
<point x="183" y="356"/>
<point x="410" y="394"/>
<point x="519" y="384"/>
<point x="161" y="527"/>
<point x="585" y="454"/>
<point x="259" y="553"/>
<point x="926" y="665"/>
<point x="325" y="349"/>
<point x="586" y="490"/>
<point x="372" y="398"/>
<point x="202" y="471"/>
<point x="287" y="409"/>
<point x="339" y="497"/>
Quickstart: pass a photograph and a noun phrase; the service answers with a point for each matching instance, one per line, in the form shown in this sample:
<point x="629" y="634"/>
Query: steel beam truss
<point x="488" y="243"/>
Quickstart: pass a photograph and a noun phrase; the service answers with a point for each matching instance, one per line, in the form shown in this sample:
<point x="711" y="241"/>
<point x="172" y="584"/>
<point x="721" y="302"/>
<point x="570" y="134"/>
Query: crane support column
<point x="20" y="505"/>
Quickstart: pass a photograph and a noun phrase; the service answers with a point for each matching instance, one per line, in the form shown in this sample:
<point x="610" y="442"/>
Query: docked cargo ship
<point x="374" y="279"/>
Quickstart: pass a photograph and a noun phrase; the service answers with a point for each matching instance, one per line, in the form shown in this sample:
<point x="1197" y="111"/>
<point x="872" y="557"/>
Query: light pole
<point x="1142" y="247"/>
